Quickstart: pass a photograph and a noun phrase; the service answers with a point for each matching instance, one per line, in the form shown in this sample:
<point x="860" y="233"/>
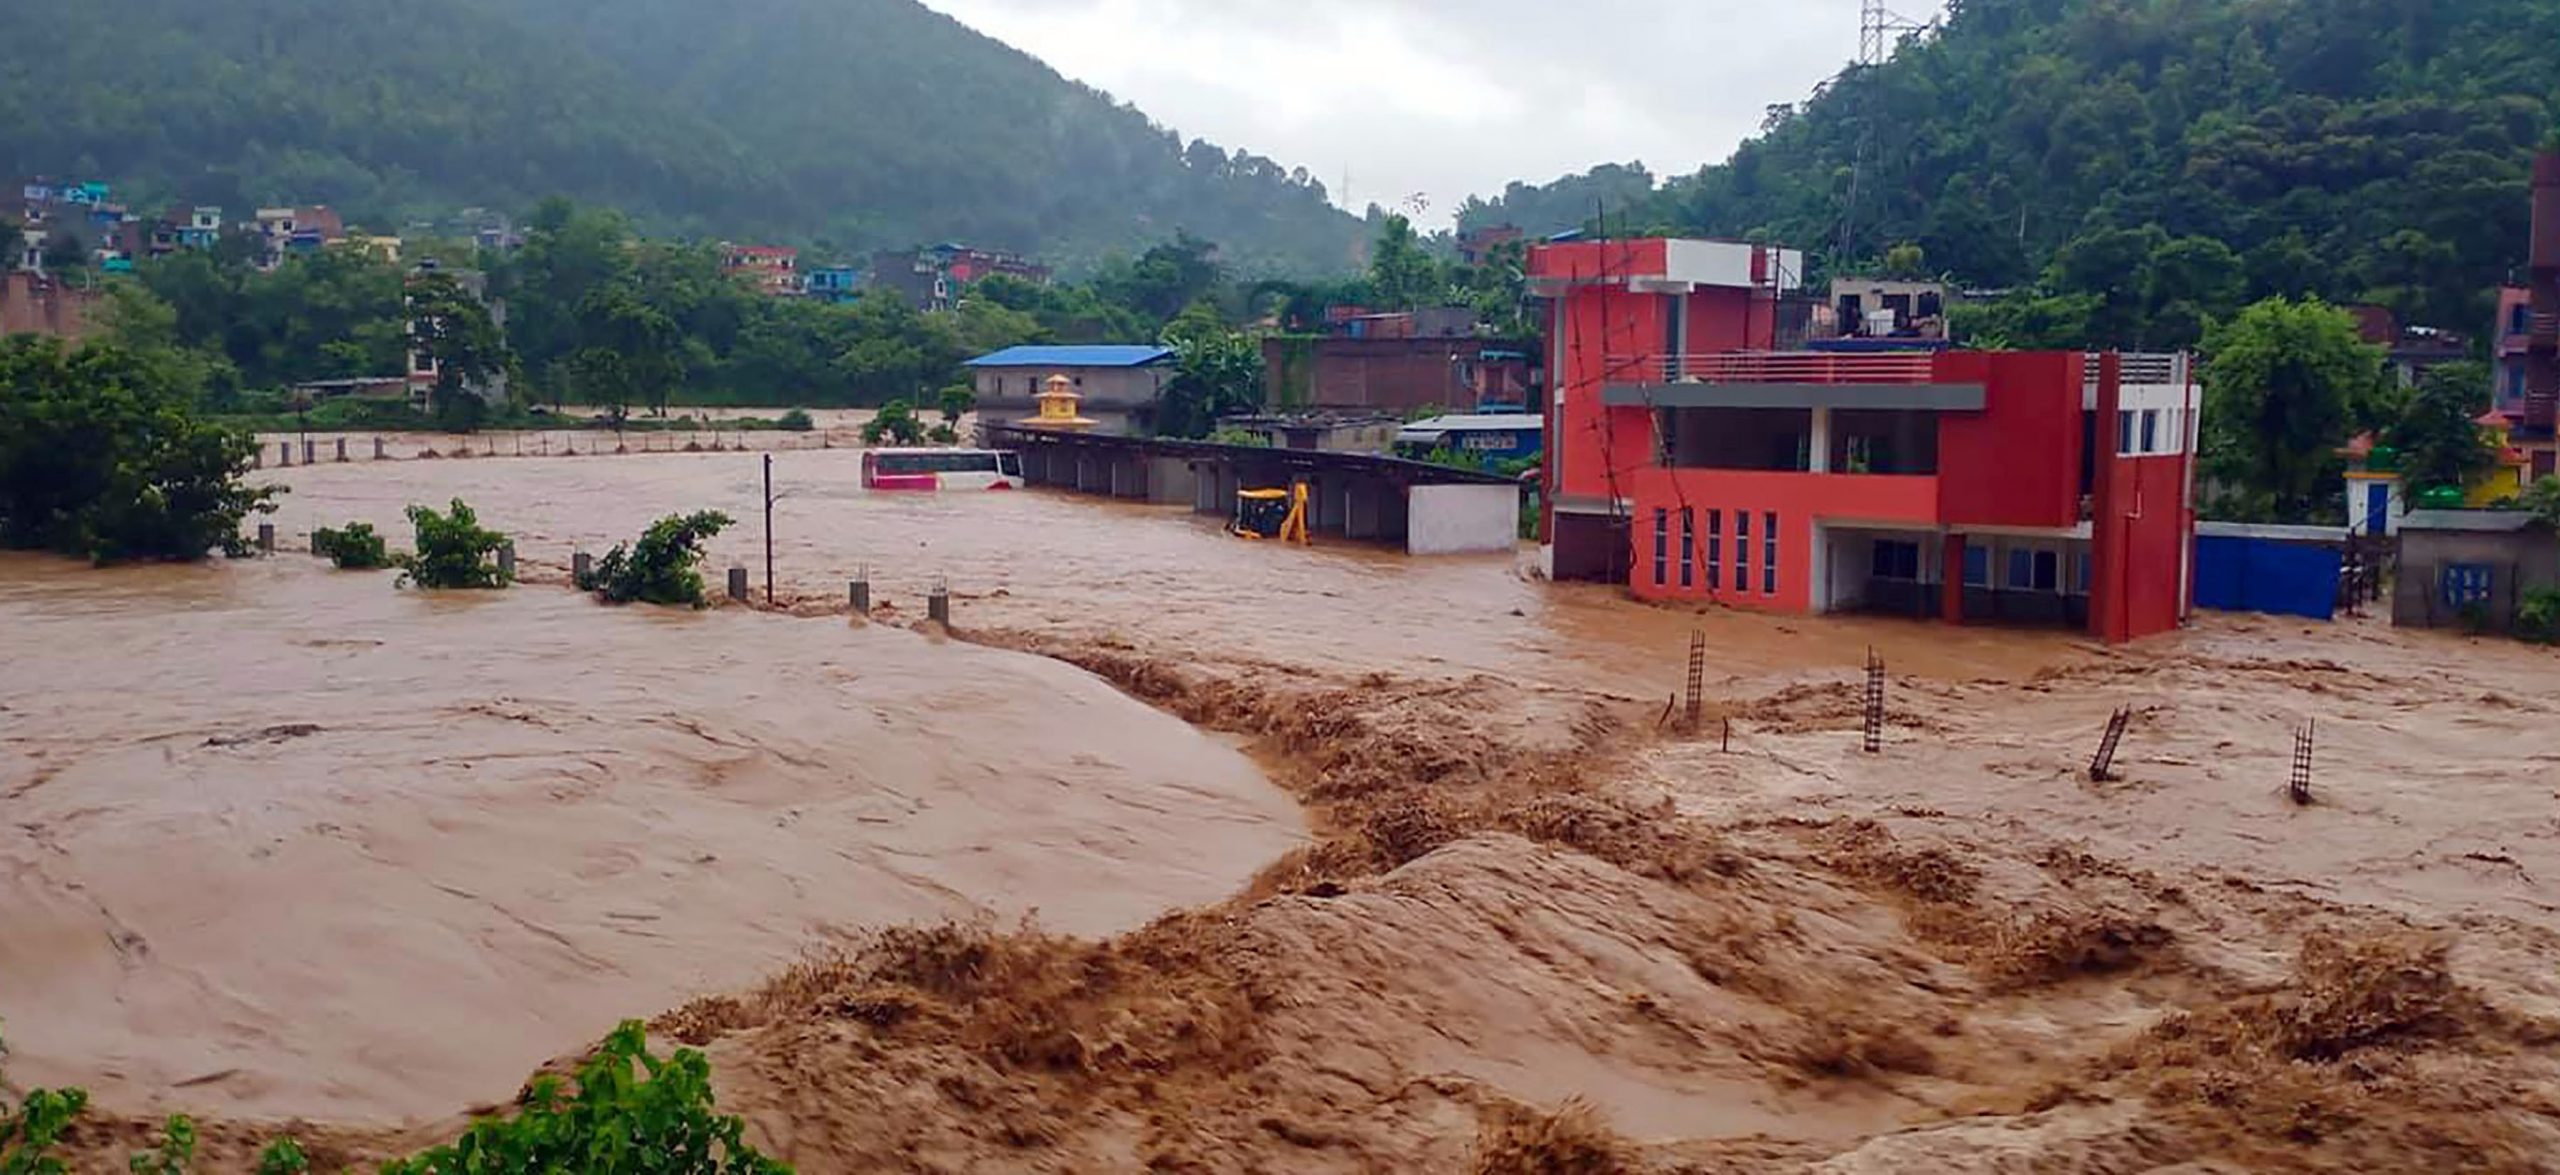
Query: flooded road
<point x="1088" y="568"/>
<point x="281" y="840"/>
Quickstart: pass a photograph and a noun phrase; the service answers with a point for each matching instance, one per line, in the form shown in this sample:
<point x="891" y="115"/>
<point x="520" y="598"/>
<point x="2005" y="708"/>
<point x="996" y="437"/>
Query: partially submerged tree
<point x="453" y="551"/>
<point x="662" y="567"/>
<point x="102" y="456"/>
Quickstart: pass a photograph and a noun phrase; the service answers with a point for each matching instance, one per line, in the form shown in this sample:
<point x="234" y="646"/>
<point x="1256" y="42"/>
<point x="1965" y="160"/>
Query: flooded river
<point x="1086" y="567"/>
<point x="283" y="840"/>
<point x="280" y="840"/>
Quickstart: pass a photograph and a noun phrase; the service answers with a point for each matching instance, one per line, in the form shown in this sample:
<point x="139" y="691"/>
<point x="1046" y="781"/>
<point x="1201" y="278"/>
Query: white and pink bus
<point x="941" y="469"/>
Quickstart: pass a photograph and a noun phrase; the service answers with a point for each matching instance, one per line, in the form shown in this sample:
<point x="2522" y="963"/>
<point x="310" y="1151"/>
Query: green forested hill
<point x="2160" y="160"/>
<point x="860" y="123"/>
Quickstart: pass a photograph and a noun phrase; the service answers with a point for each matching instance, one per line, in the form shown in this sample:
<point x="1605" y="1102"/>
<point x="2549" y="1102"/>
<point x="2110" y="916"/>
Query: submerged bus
<point x="941" y="469"/>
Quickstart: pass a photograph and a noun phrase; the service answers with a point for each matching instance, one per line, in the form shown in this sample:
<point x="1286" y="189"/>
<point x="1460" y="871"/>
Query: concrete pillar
<point x="1361" y="510"/>
<point x="581" y="565"/>
<point x="1330" y="504"/>
<point x="1121" y="478"/>
<point x="1821" y="454"/>
<point x="737" y="583"/>
<point x="310" y="450"/>
<point x="1951" y="589"/>
<point x="377" y="448"/>
<point x="342" y="448"/>
<point x="267" y="538"/>
<point x="284" y="453"/>
<point x="1204" y="489"/>
<point x="859" y="594"/>
<point x="507" y="562"/>
<point x="2108" y="620"/>
<point x="937" y="605"/>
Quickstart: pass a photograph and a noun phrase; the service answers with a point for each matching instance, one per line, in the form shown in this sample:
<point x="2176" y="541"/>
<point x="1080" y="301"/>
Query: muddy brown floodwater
<point x="1088" y="568"/>
<point x="281" y="840"/>
<point x="1442" y="892"/>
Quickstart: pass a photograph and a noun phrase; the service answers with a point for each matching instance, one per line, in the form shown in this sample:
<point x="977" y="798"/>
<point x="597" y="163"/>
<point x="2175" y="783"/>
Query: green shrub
<point x="28" y="1133"/>
<point x="632" y="1113"/>
<point x="453" y="551"/>
<point x="354" y="548"/>
<point x="796" y="420"/>
<point x="942" y="434"/>
<point x="2538" y="616"/>
<point x="955" y="402"/>
<point x="177" y="1149"/>
<point x="659" y="569"/>
<point x="283" y="1157"/>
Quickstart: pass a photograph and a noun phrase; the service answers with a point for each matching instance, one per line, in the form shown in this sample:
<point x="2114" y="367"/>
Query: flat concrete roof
<point x="1917" y="397"/>
<point x="2329" y="535"/>
<point x="2482" y="521"/>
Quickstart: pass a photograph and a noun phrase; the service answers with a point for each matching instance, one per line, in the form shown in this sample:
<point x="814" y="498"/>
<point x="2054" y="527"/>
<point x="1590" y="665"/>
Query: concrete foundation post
<point x="937" y="605"/>
<point x="507" y="562"/>
<point x="859" y="592"/>
<point x="310" y="450"/>
<point x="377" y="448"/>
<point x="737" y="583"/>
<point x="267" y="538"/>
<point x="342" y="448"/>
<point x="284" y="453"/>
<point x="581" y="565"/>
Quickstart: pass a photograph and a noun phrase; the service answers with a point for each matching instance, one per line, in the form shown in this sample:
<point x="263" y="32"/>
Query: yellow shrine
<point x="1060" y="406"/>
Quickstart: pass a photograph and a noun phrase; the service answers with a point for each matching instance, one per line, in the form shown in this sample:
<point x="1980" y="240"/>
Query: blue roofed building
<point x="1119" y="383"/>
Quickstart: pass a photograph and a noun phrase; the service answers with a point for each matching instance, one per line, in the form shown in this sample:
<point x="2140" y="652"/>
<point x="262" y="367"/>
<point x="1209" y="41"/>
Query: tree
<point x="955" y="402"/>
<point x="895" y="423"/>
<point x="1403" y="276"/>
<point x="1217" y="372"/>
<point x="646" y="350"/>
<point x="102" y="456"/>
<point x="452" y="327"/>
<point x="2439" y="442"/>
<point x="453" y="550"/>
<point x="1907" y="261"/>
<point x="2286" y="383"/>
<point x="662" y="567"/>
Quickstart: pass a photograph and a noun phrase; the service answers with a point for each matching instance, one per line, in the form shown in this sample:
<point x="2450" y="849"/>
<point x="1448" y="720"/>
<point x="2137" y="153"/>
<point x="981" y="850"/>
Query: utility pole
<point x="768" y="530"/>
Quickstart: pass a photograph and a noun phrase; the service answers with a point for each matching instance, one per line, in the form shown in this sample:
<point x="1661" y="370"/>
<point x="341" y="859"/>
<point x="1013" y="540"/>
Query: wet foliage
<point x="631" y="1113"/>
<point x="454" y="551"/>
<point x="102" y="456"/>
<point x="354" y="547"/>
<point x="662" y="567"/>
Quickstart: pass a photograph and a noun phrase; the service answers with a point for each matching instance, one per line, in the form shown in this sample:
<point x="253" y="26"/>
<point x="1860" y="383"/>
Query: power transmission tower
<point x="1879" y="30"/>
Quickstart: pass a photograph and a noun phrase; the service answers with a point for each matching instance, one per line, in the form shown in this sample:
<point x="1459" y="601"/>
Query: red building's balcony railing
<point x="2543" y="332"/>
<point x="1777" y="367"/>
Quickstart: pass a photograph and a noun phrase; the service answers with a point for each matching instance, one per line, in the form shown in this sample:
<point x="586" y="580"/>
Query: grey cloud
<point x="1442" y="97"/>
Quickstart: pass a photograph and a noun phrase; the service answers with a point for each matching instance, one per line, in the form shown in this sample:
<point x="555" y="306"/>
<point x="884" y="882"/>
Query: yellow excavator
<point x="1272" y="514"/>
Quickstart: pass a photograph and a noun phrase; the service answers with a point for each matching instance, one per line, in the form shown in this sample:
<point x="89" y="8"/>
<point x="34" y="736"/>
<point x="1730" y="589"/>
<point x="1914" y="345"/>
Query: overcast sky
<point x="1442" y="98"/>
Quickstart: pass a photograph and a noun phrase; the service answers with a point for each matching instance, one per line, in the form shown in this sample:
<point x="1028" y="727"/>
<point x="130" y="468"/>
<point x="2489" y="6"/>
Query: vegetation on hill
<point x="2136" y="167"/>
<point x="852" y="124"/>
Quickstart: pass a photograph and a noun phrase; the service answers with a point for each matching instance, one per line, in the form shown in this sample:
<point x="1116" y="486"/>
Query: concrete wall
<point x="2517" y="561"/>
<point x="1462" y="519"/>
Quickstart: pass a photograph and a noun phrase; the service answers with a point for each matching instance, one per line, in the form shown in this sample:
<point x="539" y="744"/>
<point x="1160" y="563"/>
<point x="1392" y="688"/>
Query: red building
<point x="1690" y="459"/>
<point x="774" y="269"/>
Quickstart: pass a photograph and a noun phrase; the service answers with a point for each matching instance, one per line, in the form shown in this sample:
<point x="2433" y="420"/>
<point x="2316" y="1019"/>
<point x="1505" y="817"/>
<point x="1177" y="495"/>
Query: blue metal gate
<point x="2266" y="575"/>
